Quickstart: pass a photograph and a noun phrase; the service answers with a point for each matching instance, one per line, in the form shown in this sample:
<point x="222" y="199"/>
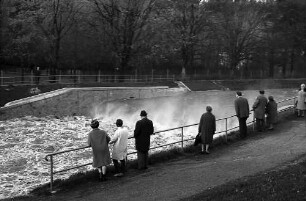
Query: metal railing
<point x="225" y="132"/>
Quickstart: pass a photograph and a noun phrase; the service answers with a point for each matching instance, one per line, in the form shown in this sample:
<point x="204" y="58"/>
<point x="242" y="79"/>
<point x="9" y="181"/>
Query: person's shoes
<point x="102" y="177"/>
<point x="207" y="152"/>
<point x="118" y="175"/>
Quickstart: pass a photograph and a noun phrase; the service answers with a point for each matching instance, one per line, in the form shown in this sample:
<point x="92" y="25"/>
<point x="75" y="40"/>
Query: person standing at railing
<point x="259" y="107"/>
<point x="142" y="133"/>
<point x="120" y="148"/>
<point x="271" y="111"/>
<point x="301" y="101"/>
<point x="242" y="111"/>
<point x="207" y="128"/>
<point x="98" y="140"/>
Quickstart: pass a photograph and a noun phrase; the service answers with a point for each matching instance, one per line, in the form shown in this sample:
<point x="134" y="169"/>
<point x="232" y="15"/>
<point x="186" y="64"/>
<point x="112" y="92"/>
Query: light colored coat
<point x="98" y="140"/>
<point x="120" y="143"/>
<point x="301" y="98"/>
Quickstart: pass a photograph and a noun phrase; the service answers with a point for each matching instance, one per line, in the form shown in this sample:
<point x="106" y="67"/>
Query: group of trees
<point x="240" y="38"/>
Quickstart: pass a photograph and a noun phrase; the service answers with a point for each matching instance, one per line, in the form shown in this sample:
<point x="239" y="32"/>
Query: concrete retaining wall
<point x="78" y="101"/>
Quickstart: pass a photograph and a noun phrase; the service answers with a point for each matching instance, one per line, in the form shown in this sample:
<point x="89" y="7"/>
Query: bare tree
<point x="186" y="21"/>
<point x="55" y="19"/>
<point x="239" y="28"/>
<point x="124" y="22"/>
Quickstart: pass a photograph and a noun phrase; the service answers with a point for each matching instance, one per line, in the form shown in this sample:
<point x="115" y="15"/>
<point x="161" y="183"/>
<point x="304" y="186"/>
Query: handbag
<point x="197" y="140"/>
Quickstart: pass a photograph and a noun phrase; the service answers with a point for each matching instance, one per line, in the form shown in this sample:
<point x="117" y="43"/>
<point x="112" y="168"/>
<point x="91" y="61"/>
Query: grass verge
<point x="282" y="184"/>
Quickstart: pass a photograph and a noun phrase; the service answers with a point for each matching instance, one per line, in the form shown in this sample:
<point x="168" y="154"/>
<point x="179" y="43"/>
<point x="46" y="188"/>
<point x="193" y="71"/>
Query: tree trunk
<point x="271" y="63"/>
<point x="284" y="65"/>
<point x="292" y="62"/>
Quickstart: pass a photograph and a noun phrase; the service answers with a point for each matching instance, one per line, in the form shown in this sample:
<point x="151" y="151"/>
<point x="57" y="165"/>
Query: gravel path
<point x="194" y="173"/>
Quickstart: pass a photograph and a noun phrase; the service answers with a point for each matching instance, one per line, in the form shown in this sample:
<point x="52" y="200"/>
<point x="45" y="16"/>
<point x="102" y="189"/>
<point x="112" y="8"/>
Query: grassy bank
<point x="286" y="183"/>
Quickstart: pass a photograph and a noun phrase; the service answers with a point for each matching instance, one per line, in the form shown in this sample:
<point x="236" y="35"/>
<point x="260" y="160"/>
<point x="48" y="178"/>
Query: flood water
<point x="24" y="142"/>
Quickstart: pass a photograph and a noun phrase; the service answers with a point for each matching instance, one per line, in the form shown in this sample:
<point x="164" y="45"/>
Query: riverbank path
<point x="194" y="173"/>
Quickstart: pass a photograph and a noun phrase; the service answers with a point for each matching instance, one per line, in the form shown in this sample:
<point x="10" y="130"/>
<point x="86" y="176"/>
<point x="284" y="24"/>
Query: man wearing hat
<point x="120" y="148"/>
<point x="143" y="130"/>
<point x="259" y="107"/>
<point x="242" y="113"/>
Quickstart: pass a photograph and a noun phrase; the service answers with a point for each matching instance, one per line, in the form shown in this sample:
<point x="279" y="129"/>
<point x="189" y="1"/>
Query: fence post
<point x="1" y="75"/>
<point x="51" y="173"/>
<point x="99" y="76"/>
<point x="226" y="130"/>
<point x="79" y="78"/>
<point x="253" y="121"/>
<point x="182" y="139"/>
<point x="294" y="105"/>
<point x="60" y="77"/>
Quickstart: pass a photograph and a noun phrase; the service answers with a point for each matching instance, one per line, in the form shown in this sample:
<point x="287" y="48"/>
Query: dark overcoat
<point x="259" y="107"/>
<point x="207" y="127"/>
<point x="271" y="111"/>
<point x="98" y="140"/>
<point x="143" y="130"/>
<point x="242" y="107"/>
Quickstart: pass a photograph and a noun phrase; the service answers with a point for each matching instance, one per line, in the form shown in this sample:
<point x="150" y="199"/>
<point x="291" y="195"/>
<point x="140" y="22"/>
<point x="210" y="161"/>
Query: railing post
<point x="99" y="76"/>
<point x="182" y="139"/>
<point x="60" y="77"/>
<point x="225" y="129"/>
<point x="1" y="75"/>
<point x="51" y="173"/>
<point x="293" y="105"/>
<point x="253" y="121"/>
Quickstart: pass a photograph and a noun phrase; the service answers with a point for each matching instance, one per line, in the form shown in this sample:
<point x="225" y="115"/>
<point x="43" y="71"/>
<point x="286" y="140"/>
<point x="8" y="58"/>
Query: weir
<point x="79" y="101"/>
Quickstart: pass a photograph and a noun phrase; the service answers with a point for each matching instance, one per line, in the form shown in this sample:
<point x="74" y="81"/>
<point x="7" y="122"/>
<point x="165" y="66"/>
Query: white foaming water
<point x="24" y="142"/>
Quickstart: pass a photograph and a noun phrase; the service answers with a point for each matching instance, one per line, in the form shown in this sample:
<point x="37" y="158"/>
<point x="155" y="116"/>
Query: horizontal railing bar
<point x="135" y="152"/>
<point x="60" y="152"/>
<point x="64" y="170"/>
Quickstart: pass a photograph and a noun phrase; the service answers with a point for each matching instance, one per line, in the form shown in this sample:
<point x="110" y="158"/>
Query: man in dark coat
<point x="207" y="128"/>
<point x="242" y="112"/>
<point x="143" y="130"/>
<point x="271" y="111"/>
<point x="259" y="107"/>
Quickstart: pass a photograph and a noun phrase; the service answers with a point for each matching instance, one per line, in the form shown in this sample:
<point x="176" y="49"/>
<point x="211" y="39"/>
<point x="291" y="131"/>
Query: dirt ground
<point x="193" y="173"/>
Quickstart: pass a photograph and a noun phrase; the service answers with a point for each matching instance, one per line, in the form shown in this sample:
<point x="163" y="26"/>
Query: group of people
<point x="262" y="106"/>
<point x="265" y="113"/>
<point x="99" y="141"/>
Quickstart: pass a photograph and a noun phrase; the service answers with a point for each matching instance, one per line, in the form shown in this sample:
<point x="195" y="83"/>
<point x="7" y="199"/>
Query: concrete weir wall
<point x="78" y="101"/>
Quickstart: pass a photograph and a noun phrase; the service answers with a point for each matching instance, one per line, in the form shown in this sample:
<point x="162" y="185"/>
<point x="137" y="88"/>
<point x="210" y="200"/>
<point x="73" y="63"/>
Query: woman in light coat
<point x="120" y="148"/>
<point x="98" y="140"/>
<point x="301" y="101"/>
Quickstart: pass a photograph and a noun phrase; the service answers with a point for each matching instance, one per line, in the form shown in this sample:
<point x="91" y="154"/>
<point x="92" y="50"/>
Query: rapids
<point x="25" y="141"/>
